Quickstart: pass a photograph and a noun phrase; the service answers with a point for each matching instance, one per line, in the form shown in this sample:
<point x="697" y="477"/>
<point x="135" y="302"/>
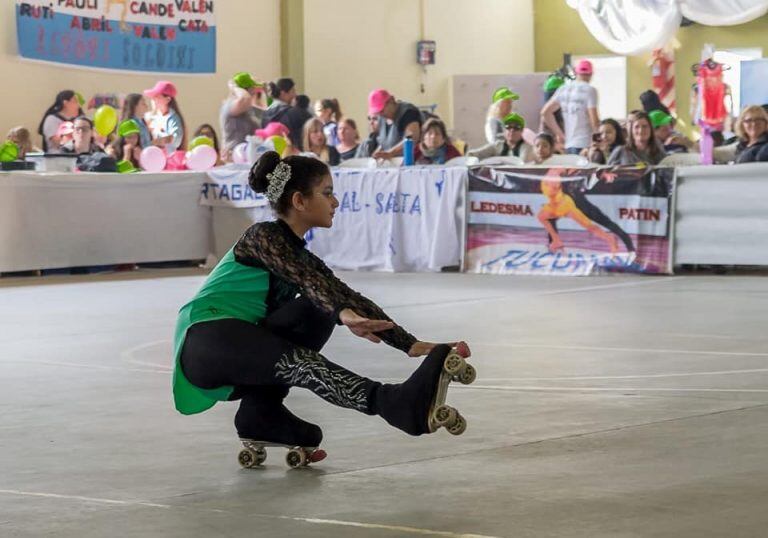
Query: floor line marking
<point x="317" y="521"/>
<point x="605" y="389"/>
<point x="156" y="370"/>
<point x="638" y="376"/>
<point x="627" y="349"/>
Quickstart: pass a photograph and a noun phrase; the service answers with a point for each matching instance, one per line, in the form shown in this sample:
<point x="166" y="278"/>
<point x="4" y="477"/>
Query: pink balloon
<point x="201" y="158"/>
<point x="240" y="153"/>
<point x="152" y="159"/>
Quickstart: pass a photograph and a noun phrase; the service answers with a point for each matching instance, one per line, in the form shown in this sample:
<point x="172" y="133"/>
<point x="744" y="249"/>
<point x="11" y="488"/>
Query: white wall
<point x="248" y="40"/>
<point x="353" y="46"/>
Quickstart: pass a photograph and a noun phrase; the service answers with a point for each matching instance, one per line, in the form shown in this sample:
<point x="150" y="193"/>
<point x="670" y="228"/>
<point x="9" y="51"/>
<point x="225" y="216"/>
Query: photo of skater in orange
<point x="559" y="205"/>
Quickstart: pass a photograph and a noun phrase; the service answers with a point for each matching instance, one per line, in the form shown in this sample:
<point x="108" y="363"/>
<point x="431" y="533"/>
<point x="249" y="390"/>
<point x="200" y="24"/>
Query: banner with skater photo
<point x="569" y="221"/>
<point x="177" y="36"/>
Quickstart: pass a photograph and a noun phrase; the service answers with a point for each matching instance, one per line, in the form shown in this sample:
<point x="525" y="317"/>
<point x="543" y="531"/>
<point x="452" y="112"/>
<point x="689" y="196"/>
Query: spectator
<point x="512" y="144"/>
<point x="752" y="129"/>
<point x="135" y="108"/>
<point x="369" y="146"/>
<point x="641" y="147"/>
<point x="314" y="141"/>
<point x="543" y="147"/>
<point x="283" y="93"/>
<point x="240" y="114"/>
<point x="23" y="140"/>
<point x="168" y="127"/>
<point x="404" y="120"/>
<point x="65" y="132"/>
<point x="127" y="145"/>
<point x="578" y="101"/>
<point x="662" y="126"/>
<point x="82" y="138"/>
<point x="608" y="138"/>
<point x="349" y="139"/>
<point x="329" y="112"/>
<point x="65" y="108"/>
<point x="207" y="130"/>
<point x="301" y="103"/>
<point x="435" y="146"/>
<point x="500" y="108"/>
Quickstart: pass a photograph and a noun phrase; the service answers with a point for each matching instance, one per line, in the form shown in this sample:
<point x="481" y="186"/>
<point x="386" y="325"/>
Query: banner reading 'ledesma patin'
<point x="174" y="36"/>
<point x="569" y="221"/>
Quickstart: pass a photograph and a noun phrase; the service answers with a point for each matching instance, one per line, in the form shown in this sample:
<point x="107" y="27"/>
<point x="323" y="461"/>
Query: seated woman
<point x="543" y="147"/>
<point x="752" y="129"/>
<point x="512" y="145"/>
<point x="314" y="141"/>
<point x="64" y="109"/>
<point x="22" y="138"/>
<point x="503" y="102"/>
<point x="208" y="131"/>
<point x="127" y="145"/>
<point x="82" y="138"/>
<point x="435" y="146"/>
<point x="349" y="139"/>
<point x="609" y="137"/>
<point x="641" y="147"/>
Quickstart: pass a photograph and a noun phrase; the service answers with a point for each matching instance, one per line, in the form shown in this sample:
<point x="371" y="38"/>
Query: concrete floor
<point x="607" y="406"/>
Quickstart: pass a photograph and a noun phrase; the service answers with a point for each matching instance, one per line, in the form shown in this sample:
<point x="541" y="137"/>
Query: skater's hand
<point x="423" y="348"/>
<point x="364" y="327"/>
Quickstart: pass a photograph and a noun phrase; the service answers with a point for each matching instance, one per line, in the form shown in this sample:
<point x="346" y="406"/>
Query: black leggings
<point x="265" y="360"/>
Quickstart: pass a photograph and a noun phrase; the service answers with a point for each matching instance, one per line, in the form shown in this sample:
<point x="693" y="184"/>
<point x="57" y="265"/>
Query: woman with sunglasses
<point x="512" y="145"/>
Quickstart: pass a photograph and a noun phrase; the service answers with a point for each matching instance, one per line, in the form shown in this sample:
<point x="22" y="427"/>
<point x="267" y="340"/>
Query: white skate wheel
<point x="468" y="376"/>
<point x="458" y="427"/>
<point x="296" y="457"/>
<point x="247" y="458"/>
<point x="454" y="364"/>
<point x="445" y="415"/>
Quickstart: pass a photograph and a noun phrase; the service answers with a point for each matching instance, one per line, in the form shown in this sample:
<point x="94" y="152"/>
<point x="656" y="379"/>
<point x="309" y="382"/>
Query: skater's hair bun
<point x="306" y="172"/>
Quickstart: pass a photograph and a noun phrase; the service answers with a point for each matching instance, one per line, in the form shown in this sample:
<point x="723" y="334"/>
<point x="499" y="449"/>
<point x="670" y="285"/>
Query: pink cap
<point x="65" y="128"/>
<point x="584" y="67"/>
<point x="274" y="128"/>
<point x="377" y="100"/>
<point x="163" y="87"/>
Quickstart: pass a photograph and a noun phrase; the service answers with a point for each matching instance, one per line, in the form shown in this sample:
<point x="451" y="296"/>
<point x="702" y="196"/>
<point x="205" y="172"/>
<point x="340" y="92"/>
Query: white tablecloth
<point x="50" y="220"/>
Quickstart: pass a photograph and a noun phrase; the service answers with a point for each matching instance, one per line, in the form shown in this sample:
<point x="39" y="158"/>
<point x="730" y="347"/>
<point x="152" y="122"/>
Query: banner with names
<point x="173" y="36"/>
<point x="569" y="221"/>
<point x="227" y="186"/>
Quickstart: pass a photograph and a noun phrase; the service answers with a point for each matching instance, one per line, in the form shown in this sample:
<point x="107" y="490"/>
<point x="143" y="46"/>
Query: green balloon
<point x="105" y="120"/>
<point x="200" y="141"/>
<point x="9" y="151"/>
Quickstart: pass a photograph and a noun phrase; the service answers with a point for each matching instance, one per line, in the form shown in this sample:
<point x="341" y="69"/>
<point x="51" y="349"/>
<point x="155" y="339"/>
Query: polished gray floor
<point x="607" y="406"/>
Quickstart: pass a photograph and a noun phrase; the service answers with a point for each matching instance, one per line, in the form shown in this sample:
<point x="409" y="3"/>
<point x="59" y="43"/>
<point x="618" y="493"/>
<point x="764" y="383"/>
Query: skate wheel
<point x="251" y="456"/>
<point x="458" y="427"/>
<point x="296" y="457"/>
<point x="454" y="364"/>
<point x="445" y="415"/>
<point x="468" y="376"/>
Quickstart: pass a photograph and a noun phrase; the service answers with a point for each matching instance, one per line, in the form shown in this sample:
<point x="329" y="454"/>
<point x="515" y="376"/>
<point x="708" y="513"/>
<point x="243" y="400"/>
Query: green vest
<point x="232" y="290"/>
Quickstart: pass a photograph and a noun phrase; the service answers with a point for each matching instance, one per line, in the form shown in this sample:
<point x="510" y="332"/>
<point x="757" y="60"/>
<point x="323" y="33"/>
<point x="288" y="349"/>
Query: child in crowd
<point x="207" y="130"/>
<point x="543" y="147"/>
<point x="127" y="146"/>
<point x="23" y="139"/>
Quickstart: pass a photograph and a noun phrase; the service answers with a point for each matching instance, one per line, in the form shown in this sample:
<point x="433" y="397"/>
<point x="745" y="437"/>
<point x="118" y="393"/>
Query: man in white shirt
<point x="578" y="102"/>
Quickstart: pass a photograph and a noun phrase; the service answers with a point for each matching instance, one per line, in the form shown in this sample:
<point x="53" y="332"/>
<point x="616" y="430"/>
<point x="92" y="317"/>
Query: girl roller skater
<point x="257" y="326"/>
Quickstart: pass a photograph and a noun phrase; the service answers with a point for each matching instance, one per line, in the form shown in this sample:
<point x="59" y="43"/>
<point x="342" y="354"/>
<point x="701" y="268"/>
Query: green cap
<point x="9" y="151"/>
<point x="80" y="98"/>
<point x="245" y="80"/>
<point x="504" y="93"/>
<point x="126" y="167"/>
<point x="659" y="118"/>
<point x="553" y="83"/>
<point x="128" y="127"/>
<point x="514" y="119"/>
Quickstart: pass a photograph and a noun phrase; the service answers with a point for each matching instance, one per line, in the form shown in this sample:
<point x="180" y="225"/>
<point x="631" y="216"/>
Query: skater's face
<point x="318" y="209"/>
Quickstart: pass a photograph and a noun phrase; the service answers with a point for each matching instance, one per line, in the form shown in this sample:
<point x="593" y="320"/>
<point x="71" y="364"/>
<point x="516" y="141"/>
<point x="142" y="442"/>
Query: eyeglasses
<point x="514" y="128"/>
<point x="371" y="118"/>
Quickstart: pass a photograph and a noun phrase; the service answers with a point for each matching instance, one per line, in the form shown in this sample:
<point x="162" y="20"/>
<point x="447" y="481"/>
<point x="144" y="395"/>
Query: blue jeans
<point x="573" y="151"/>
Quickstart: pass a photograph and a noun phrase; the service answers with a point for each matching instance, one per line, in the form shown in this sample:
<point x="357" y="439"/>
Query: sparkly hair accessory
<point x="277" y="180"/>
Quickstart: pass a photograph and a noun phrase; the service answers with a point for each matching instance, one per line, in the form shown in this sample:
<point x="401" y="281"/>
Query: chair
<point x="364" y="162"/>
<point x="681" y="159"/>
<point x="462" y="161"/>
<point x="725" y="154"/>
<point x="510" y="161"/>
<point x="566" y="160"/>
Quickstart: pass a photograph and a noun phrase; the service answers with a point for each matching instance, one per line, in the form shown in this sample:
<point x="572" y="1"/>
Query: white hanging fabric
<point x="723" y="12"/>
<point x="631" y="26"/>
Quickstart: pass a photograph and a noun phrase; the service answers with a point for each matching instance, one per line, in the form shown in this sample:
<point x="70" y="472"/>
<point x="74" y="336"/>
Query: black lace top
<point x="293" y="270"/>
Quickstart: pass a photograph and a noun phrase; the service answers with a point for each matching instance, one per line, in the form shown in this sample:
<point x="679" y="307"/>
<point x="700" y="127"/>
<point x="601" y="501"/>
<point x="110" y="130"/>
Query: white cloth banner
<point x="723" y="12"/>
<point x="394" y="219"/>
<point x="227" y="186"/>
<point x="54" y="220"/>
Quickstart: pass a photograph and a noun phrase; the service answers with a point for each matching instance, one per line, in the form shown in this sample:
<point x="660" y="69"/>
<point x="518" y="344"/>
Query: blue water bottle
<point x="408" y="151"/>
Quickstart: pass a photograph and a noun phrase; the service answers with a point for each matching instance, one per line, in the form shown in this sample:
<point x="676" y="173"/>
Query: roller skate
<point x="254" y="453"/>
<point x="417" y="406"/>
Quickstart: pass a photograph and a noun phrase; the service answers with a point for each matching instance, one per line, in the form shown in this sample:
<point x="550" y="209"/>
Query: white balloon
<point x="723" y="12"/>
